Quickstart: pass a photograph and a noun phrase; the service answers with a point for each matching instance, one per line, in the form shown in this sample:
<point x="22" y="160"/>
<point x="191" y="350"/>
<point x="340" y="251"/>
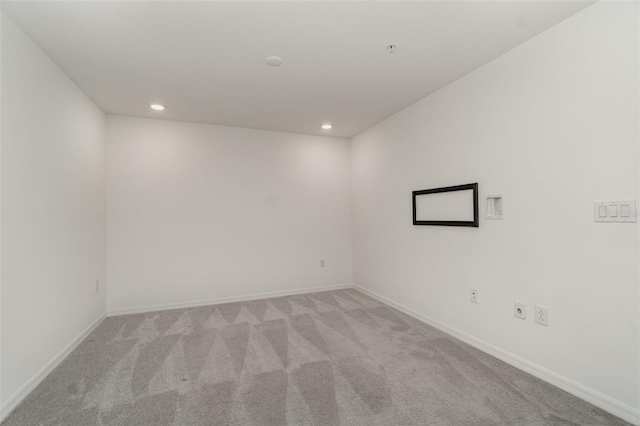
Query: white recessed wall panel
<point x="199" y="212"/>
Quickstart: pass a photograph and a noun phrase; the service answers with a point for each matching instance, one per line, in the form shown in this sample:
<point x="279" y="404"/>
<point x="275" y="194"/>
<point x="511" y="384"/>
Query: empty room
<point x="320" y="213"/>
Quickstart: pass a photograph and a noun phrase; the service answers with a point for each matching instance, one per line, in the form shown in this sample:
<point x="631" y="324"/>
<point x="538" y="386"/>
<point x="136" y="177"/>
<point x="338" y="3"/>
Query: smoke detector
<point x="274" y="61"/>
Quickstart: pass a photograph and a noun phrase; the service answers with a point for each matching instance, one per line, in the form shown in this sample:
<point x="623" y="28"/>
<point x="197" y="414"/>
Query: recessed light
<point x="157" y="107"/>
<point x="327" y="126"/>
<point x="274" y="61"/>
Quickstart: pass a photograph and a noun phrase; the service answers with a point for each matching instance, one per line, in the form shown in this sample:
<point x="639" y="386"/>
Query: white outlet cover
<point x="473" y="295"/>
<point x="519" y="310"/>
<point x="542" y="315"/>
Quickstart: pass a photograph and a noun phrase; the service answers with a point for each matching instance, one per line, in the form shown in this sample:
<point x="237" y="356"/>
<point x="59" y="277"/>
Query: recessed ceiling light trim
<point x="327" y="126"/>
<point x="157" y="107"/>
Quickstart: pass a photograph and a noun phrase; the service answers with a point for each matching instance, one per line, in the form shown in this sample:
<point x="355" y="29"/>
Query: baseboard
<point x="34" y="381"/>
<point x="217" y="301"/>
<point x="608" y="404"/>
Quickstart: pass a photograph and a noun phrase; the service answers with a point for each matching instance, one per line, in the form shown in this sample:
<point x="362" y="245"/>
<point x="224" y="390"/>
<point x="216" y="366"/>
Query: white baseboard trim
<point x="608" y="404"/>
<point x="217" y="301"/>
<point x="34" y="381"/>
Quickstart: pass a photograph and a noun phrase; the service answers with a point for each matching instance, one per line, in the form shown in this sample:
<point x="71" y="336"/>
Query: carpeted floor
<point x="327" y="358"/>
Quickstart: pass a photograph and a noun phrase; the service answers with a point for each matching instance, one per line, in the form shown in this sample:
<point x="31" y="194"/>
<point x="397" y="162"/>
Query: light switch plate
<point x="615" y="211"/>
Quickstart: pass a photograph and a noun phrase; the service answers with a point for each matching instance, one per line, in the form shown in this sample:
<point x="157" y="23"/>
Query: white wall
<point x="53" y="210"/>
<point x="199" y="212"/>
<point x="552" y="125"/>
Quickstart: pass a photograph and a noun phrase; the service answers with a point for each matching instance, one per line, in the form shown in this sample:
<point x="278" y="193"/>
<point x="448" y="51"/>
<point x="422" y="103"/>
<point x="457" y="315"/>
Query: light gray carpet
<point x="327" y="358"/>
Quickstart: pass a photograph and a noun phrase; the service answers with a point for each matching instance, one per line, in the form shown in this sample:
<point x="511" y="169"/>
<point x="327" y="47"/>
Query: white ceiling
<point x="206" y="60"/>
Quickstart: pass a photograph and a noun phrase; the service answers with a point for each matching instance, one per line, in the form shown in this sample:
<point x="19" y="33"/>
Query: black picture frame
<point x="474" y="223"/>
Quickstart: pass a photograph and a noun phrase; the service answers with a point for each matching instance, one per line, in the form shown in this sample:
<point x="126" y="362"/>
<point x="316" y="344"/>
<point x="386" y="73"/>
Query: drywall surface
<point x="203" y="212"/>
<point x="53" y="210"/>
<point x="552" y="125"/>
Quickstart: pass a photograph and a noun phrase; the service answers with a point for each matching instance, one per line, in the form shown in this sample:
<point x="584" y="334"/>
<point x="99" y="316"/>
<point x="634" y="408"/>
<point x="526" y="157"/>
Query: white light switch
<point x="615" y="211"/>
<point x="624" y="210"/>
<point x="602" y="212"/>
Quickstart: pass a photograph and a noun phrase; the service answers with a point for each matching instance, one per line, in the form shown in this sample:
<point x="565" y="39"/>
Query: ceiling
<point x="206" y="60"/>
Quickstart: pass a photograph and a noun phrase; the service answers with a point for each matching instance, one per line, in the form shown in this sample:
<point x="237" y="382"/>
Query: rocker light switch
<point x="602" y="211"/>
<point x="624" y="210"/>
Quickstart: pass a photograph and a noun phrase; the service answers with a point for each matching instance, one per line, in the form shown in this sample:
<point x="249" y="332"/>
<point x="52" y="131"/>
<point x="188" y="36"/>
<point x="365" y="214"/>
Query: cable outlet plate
<point x="494" y="207"/>
<point x="519" y="310"/>
<point x="473" y="295"/>
<point x="542" y="315"/>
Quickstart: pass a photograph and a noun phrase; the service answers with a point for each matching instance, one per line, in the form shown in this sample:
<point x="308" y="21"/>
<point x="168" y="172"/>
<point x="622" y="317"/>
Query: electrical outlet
<point x="542" y="315"/>
<point x="322" y="264"/>
<point x="474" y="295"/>
<point x="97" y="286"/>
<point x="519" y="310"/>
